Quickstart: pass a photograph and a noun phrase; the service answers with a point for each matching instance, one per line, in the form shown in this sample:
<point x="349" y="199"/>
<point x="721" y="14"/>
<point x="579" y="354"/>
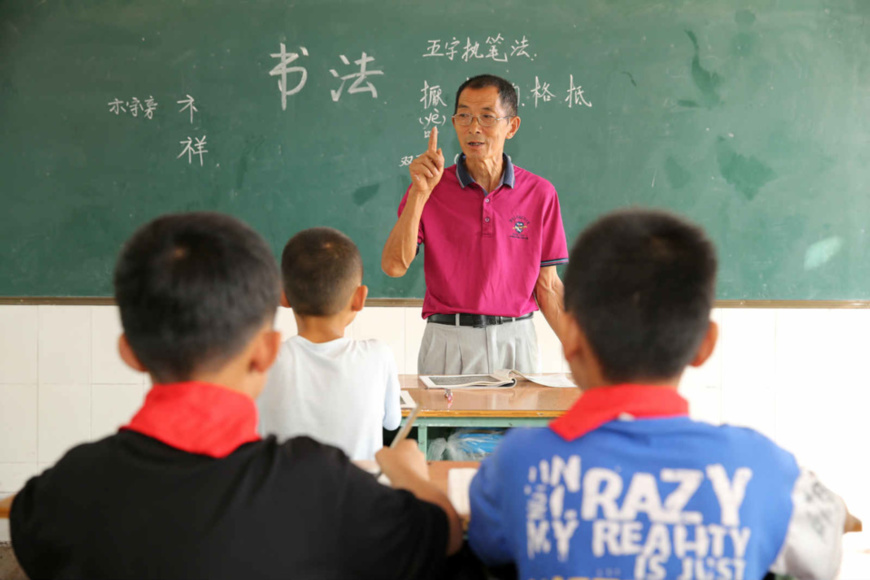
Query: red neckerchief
<point x="601" y="405"/>
<point x="197" y="417"/>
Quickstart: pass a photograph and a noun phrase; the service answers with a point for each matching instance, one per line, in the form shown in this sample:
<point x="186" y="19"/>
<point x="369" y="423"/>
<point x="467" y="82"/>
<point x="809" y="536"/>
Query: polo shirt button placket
<point x="487" y="220"/>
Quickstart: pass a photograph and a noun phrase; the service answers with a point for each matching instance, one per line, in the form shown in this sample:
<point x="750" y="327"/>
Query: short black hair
<point x="507" y="94"/>
<point x="193" y="288"/>
<point x="641" y="285"/>
<point x="320" y="268"/>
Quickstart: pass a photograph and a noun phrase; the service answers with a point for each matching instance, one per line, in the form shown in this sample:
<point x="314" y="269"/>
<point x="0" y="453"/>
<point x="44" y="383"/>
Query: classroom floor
<point x="9" y="569"/>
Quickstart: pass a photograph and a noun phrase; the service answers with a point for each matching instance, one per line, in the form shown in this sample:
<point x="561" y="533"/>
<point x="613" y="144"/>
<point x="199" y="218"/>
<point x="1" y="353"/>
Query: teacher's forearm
<point x="401" y="246"/>
<point x="550" y="294"/>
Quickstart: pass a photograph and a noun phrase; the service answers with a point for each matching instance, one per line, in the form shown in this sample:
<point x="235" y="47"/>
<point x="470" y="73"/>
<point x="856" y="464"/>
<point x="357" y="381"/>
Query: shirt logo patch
<point x="520" y="223"/>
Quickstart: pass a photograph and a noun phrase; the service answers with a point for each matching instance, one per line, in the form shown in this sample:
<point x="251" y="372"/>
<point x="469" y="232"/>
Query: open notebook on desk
<point x="498" y="379"/>
<point x="492" y="380"/>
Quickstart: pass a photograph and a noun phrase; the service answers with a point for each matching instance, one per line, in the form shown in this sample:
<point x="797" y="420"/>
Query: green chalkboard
<point x="752" y="118"/>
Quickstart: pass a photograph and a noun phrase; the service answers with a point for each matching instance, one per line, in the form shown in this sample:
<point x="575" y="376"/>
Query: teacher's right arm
<point x="401" y="246"/>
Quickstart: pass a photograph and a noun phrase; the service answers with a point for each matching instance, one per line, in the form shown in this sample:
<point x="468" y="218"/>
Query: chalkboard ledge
<point x="109" y="301"/>
<point x="417" y="302"/>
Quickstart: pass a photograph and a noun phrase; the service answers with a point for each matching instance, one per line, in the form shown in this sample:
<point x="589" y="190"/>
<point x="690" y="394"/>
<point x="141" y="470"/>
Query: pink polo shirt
<point x="483" y="252"/>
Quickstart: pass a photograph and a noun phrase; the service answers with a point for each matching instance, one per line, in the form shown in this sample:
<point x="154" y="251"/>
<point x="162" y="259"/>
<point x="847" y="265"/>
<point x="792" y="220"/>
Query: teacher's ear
<point x="513" y="126"/>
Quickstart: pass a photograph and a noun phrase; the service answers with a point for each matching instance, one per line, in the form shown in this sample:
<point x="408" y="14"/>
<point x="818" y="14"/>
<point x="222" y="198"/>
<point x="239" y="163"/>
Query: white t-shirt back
<point x="339" y="392"/>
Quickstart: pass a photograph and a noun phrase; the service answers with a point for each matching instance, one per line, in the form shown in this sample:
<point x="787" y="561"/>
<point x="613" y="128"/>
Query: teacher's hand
<point x="426" y="169"/>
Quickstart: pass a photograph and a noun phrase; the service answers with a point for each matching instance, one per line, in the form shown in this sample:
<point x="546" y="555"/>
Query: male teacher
<point x="493" y="234"/>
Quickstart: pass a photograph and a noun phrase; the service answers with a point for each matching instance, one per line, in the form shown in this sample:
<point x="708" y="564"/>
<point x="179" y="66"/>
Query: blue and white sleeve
<point x="487" y="528"/>
<point x="813" y="543"/>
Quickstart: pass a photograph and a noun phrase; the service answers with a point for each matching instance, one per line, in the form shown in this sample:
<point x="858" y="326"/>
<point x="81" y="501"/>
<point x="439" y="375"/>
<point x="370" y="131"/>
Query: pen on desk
<point x="403" y="432"/>
<point x="448" y="394"/>
<point x="406" y="428"/>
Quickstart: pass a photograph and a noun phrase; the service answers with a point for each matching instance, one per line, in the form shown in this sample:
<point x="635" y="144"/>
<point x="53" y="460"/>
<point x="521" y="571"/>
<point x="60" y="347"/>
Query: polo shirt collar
<point x="465" y="179"/>
<point x="197" y="418"/>
<point x="601" y="405"/>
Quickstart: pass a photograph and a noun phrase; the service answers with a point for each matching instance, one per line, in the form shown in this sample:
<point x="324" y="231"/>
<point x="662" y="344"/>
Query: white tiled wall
<point x="798" y="376"/>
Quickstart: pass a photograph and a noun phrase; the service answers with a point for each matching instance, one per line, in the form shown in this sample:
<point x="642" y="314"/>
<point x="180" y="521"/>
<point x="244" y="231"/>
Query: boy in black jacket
<point x="187" y="489"/>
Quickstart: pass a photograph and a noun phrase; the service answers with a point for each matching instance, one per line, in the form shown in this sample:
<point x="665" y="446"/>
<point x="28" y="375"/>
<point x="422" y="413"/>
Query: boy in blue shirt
<point x="625" y="484"/>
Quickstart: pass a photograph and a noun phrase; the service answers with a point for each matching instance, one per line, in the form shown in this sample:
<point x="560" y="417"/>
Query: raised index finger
<point x="433" y="140"/>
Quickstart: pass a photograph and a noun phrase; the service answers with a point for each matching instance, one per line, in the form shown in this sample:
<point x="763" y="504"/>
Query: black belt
<point x="475" y="320"/>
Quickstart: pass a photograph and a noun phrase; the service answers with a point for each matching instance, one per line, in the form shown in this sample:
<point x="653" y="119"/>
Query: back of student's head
<point x="193" y="289"/>
<point x="320" y="268"/>
<point x="641" y="285"/>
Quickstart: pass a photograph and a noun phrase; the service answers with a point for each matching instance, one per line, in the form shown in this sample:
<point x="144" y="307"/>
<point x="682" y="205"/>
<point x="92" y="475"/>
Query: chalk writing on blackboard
<point x="406" y="161"/>
<point x="195" y="146"/>
<point x="359" y="77"/>
<point x="117" y="106"/>
<point x="473" y="50"/>
<point x="435" y="49"/>
<point x="431" y="101"/>
<point x="283" y="69"/>
<point x="360" y="84"/>
<point x="134" y="106"/>
<point x="188" y="106"/>
<point x="431" y="96"/>
<point x="575" y="95"/>
<point x="517" y="89"/>
<point x="519" y="48"/>
<point x="541" y="92"/>
<point x="150" y="106"/>
<point x="494" y="53"/>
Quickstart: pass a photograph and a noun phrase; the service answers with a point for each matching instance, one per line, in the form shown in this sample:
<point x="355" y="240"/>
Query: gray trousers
<point x="464" y="350"/>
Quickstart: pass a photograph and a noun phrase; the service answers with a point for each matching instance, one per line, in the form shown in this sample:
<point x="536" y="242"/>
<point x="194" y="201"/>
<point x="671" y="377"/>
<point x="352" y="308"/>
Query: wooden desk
<point x="438" y="471"/>
<point x="6" y="506"/>
<point x="526" y="404"/>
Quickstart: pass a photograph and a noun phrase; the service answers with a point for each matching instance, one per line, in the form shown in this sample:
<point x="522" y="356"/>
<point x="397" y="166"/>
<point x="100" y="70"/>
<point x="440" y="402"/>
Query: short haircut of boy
<point x="338" y="390"/>
<point x="652" y="276"/>
<point x="320" y="268"/>
<point x="192" y="289"/>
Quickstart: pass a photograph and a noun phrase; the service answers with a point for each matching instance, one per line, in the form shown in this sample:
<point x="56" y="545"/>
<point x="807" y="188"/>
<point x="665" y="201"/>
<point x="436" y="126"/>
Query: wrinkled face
<point x="484" y="143"/>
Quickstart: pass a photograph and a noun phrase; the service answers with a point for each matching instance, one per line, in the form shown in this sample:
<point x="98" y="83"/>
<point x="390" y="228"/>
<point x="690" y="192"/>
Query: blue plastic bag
<point x="465" y="445"/>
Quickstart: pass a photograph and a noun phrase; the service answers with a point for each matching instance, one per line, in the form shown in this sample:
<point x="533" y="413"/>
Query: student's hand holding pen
<point x="403" y="461"/>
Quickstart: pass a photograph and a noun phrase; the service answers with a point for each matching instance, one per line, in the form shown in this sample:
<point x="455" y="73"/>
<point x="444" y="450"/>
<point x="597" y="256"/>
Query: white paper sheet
<point x="458" y="482"/>
<point x="407" y="401"/>
<point x="557" y="381"/>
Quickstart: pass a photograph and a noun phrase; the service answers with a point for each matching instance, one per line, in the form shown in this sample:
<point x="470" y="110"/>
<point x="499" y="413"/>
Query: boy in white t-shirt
<point x="334" y="389"/>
